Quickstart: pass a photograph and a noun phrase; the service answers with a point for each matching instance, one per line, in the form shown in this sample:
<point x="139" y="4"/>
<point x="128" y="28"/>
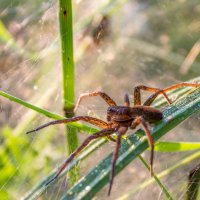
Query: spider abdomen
<point x="150" y="114"/>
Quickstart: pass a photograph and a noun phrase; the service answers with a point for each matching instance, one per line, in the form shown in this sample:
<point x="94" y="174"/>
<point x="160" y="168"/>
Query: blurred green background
<point x="118" y="44"/>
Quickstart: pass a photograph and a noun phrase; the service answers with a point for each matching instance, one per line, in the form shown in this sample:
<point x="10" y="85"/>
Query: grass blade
<point x="46" y="112"/>
<point x="176" y="146"/>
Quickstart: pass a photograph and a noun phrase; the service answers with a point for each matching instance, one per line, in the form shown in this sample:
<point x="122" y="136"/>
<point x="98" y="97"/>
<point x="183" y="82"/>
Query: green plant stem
<point x="66" y="36"/>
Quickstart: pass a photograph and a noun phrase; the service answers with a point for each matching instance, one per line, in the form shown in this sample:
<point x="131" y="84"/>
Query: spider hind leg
<point x="103" y="95"/>
<point x="136" y="122"/>
<point x="102" y="133"/>
<point x="120" y="132"/>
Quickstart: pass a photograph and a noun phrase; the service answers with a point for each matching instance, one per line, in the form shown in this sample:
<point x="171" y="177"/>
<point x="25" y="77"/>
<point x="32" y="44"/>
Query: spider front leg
<point x="91" y="120"/>
<point x="103" y="95"/>
<point x="150" y="100"/>
<point x="126" y="100"/>
<point x="102" y="133"/>
<point x="120" y="132"/>
<point x="137" y="94"/>
<point x="136" y="122"/>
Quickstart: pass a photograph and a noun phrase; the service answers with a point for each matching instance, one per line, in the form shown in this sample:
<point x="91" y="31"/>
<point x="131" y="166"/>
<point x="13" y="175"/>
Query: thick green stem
<point x="66" y="35"/>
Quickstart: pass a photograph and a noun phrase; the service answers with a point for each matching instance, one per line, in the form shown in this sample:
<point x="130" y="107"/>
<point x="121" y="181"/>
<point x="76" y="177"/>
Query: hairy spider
<point x="119" y="119"/>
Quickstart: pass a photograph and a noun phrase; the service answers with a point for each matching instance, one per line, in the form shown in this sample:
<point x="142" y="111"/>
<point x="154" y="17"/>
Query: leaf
<point x="176" y="146"/>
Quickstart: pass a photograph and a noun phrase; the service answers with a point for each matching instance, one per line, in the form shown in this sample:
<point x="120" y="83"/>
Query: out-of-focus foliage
<point x="12" y="150"/>
<point x="5" y="36"/>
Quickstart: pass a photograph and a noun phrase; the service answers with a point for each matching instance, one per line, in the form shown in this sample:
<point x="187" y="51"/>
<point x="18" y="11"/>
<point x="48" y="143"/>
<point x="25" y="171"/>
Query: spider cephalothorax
<point x="119" y="119"/>
<point x="124" y="114"/>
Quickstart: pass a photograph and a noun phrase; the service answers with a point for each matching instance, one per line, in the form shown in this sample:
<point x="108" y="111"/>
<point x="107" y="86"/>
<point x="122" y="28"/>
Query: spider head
<point x="111" y="112"/>
<point x="118" y="113"/>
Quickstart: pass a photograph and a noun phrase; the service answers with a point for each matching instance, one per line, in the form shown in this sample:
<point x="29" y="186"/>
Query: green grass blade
<point x="46" y="112"/>
<point x="89" y="185"/>
<point x="66" y="35"/>
<point x="176" y="146"/>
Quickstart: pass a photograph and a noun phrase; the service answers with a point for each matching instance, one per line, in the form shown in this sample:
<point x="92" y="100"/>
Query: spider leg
<point x="120" y="132"/>
<point x="102" y="133"/>
<point x="151" y="143"/>
<point x="126" y="100"/>
<point x="150" y="100"/>
<point x="137" y="93"/>
<point x="136" y="122"/>
<point x="91" y="120"/>
<point x="103" y="95"/>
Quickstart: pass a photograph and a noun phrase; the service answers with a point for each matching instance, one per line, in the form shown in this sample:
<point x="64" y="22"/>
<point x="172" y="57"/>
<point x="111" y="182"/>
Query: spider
<point x="119" y="119"/>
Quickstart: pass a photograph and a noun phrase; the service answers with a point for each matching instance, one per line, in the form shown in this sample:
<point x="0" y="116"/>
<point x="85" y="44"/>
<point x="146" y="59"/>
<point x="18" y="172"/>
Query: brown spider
<point x="119" y="119"/>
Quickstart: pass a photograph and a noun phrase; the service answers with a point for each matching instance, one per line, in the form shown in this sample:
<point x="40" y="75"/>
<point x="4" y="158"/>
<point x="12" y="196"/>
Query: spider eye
<point x="110" y="109"/>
